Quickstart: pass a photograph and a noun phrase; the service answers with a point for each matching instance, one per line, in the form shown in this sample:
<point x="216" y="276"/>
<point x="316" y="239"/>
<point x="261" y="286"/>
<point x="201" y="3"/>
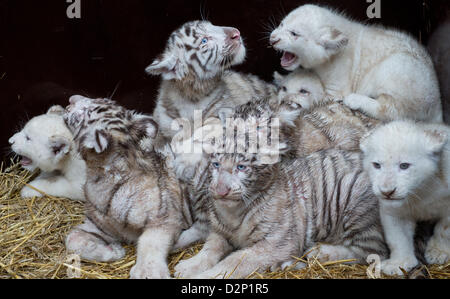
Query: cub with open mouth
<point x="381" y="72"/>
<point x="45" y="143"/>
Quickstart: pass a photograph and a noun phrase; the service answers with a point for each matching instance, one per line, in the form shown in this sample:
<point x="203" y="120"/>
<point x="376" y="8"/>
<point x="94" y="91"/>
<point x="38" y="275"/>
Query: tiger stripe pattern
<point x="329" y="125"/>
<point x="132" y="194"/>
<point x="263" y="215"/>
<point x="196" y="76"/>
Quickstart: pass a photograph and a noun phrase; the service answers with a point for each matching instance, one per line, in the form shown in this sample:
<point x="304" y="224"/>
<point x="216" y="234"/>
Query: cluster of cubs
<point x="363" y="155"/>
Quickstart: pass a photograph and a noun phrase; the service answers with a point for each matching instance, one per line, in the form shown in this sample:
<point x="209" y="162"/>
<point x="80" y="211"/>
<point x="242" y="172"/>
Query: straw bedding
<point x="32" y="234"/>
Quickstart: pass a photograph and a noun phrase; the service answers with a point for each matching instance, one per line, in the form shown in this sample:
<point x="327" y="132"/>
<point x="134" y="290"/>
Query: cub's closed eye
<point x="295" y="34"/>
<point x="405" y="166"/>
<point x="304" y="91"/>
<point x="376" y="165"/>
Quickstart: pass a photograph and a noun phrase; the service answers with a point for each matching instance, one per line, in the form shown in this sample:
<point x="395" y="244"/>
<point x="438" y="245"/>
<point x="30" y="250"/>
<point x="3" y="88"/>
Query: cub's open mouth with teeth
<point x="25" y="161"/>
<point x="288" y="59"/>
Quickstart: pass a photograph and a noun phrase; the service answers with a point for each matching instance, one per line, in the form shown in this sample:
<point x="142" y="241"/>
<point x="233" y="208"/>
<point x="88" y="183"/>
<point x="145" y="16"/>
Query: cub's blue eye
<point x="204" y="40"/>
<point x="241" y="167"/>
<point x="405" y="166"/>
<point x="216" y="165"/>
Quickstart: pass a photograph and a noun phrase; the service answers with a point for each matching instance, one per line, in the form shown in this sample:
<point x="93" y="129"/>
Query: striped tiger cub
<point x="132" y="194"/>
<point x="263" y="214"/>
<point x="195" y="70"/>
<point x="303" y="132"/>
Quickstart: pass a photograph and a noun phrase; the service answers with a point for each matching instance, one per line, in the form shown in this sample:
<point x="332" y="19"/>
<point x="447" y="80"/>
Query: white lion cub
<point x="301" y="89"/>
<point x="383" y="73"/>
<point x="46" y="143"/>
<point x="409" y="166"/>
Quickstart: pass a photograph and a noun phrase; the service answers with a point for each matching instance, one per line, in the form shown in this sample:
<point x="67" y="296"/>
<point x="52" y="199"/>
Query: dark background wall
<point x="45" y="57"/>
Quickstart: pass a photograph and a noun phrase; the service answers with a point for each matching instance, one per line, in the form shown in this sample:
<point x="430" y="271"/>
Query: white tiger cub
<point x="383" y="73"/>
<point x="409" y="167"/>
<point x="194" y="68"/>
<point x="301" y="89"/>
<point x="132" y="194"/>
<point x="46" y="143"/>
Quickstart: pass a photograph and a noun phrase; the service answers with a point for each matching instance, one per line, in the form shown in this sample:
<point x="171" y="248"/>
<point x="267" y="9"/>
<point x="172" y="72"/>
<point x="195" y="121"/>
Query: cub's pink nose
<point x="388" y="194"/>
<point x="236" y="34"/>
<point x="233" y="33"/>
<point x="222" y="191"/>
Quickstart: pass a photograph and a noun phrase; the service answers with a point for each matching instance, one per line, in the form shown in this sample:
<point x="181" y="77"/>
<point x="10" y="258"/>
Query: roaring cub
<point x="46" y="143"/>
<point x="384" y="73"/>
<point x="132" y="195"/>
<point x="409" y="167"/>
<point x="196" y="77"/>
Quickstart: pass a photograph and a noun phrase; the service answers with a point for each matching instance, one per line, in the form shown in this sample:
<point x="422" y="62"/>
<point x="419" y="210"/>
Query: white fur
<point x="383" y="73"/>
<point x="420" y="192"/>
<point x="46" y="144"/>
<point x="301" y="87"/>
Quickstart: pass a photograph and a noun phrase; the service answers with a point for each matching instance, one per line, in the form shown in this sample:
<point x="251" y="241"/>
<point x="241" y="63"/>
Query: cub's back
<point x="330" y="125"/>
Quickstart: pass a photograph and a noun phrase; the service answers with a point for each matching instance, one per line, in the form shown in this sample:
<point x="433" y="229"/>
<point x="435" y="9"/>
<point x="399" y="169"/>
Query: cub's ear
<point x="224" y="113"/>
<point x="147" y="124"/>
<point x="60" y="145"/>
<point x="332" y="39"/>
<point x="436" y="140"/>
<point x="98" y="141"/>
<point x="364" y="142"/>
<point x="57" y="110"/>
<point x="277" y="78"/>
<point x="168" y="66"/>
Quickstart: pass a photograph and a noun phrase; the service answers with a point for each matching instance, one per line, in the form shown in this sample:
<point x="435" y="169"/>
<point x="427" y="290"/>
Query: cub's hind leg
<point x="91" y="243"/>
<point x="438" y="248"/>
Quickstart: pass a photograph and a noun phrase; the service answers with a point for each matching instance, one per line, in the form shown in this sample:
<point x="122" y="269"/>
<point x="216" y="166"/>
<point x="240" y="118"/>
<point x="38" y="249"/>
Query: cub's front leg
<point x="215" y="248"/>
<point x="399" y="235"/>
<point x="364" y="104"/>
<point x="242" y="263"/>
<point x="152" y="251"/>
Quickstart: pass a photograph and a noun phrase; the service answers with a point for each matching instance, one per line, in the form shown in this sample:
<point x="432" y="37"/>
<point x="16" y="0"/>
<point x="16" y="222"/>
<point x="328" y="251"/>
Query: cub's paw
<point x="328" y="253"/>
<point x="392" y="266"/>
<point x="214" y="273"/>
<point x="436" y="253"/>
<point x="189" y="268"/>
<point x="152" y="270"/>
<point x="187" y="238"/>
<point x="293" y="265"/>
<point x="27" y="192"/>
<point x="353" y="101"/>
